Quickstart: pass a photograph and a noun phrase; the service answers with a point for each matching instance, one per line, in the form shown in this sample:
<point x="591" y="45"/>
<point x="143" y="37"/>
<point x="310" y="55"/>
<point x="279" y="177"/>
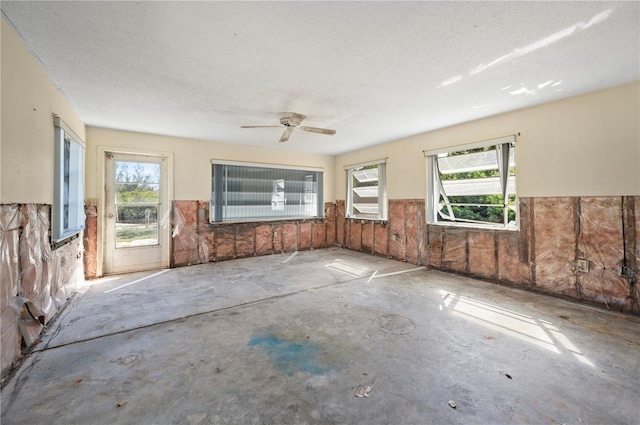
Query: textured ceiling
<point x="373" y="71"/>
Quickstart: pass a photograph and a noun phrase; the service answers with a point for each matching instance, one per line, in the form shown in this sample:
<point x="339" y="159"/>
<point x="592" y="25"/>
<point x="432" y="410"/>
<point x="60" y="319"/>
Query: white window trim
<point x="263" y="165"/>
<point x="76" y="216"/>
<point x="382" y="190"/>
<point x="433" y="192"/>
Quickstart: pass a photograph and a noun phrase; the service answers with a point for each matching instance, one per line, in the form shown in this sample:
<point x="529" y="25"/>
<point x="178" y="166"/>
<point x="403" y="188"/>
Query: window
<point x="137" y="190"/>
<point x="244" y="192"/>
<point x="68" y="202"/>
<point x="366" y="194"/>
<point x="473" y="184"/>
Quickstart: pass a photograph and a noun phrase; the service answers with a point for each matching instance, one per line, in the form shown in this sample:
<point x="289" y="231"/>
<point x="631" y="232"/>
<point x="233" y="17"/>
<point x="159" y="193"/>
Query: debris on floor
<point x="502" y="372"/>
<point x="452" y="404"/>
<point x="30" y="330"/>
<point x="362" y="391"/>
<point x="121" y="403"/>
<point x="123" y="361"/>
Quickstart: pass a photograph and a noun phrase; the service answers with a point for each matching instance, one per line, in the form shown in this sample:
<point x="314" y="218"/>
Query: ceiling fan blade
<point x="260" y="126"/>
<point x="292" y="119"/>
<point x="319" y="130"/>
<point x="285" y="135"/>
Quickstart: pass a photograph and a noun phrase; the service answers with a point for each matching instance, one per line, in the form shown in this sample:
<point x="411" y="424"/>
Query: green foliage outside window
<point x="479" y="210"/>
<point x="137" y="194"/>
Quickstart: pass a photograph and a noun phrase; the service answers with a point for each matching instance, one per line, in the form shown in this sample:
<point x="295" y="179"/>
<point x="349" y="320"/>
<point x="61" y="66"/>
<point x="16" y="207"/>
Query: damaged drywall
<point x="402" y="237"/>
<point x="90" y="242"/>
<point x="555" y="233"/>
<point x="36" y="280"/>
<point x="10" y="221"/>
<point x="196" y="240"/>
<point x="601" y="243"/>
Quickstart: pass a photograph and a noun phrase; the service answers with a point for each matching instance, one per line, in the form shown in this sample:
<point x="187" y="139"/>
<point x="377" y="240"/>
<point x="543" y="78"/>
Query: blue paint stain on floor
<point x="290" y="356"/>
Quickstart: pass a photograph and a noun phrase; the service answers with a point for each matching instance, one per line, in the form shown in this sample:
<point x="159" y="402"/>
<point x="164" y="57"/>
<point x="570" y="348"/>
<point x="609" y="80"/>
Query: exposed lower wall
<point x="32" y="274"/>
<point x="198" y="241"/>
<point x="554" y="233"/>
<point x="195" y="240"/>
<point x="90" y="242"/>
<point x="401" y="238"/>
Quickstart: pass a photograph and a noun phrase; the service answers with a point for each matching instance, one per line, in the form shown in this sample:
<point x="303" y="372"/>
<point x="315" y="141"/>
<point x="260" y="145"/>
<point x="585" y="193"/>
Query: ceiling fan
<point x="290" y="121"/>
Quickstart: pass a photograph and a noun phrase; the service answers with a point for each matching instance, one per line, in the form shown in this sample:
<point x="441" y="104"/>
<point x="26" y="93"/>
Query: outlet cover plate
<point x="582" y="265"/>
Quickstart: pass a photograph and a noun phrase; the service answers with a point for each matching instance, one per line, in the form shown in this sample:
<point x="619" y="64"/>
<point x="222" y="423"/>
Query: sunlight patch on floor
<point x="526" y="328"/>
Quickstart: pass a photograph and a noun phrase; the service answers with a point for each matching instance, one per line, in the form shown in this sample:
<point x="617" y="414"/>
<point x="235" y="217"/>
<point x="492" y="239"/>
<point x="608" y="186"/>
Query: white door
<point x="136" y="201"/>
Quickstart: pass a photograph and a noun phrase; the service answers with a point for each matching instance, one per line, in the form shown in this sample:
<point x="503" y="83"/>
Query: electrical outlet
<point x="624" y="271"/>
<point x="582" y="265"/>
<point x="275" y="234"/>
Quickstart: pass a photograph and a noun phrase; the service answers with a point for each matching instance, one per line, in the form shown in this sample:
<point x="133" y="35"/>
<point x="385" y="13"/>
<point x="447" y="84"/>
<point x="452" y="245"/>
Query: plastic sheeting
<point x="10" y="220"/>
<point x="602" y="244"/>
<point x="186" y="243"/>
<point x="555" y="244"/>
<point x="196" y="240"/>
<point x="36" y="281"/>
<point x="90" y="242"/>
<point x="35" y="255"/>
<point x="175" y="218"/>
<point x="555" y="233"/>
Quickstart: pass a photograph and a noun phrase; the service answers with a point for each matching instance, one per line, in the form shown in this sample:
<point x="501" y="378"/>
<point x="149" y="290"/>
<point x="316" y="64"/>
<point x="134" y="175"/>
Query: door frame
<point x="101" y="189"/>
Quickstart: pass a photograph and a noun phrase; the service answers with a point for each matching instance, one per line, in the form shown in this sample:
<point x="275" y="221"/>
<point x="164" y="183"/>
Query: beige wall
<point x="29" y="98"/>
<point x="587" y="145"/>
<point x="192" y="160"/>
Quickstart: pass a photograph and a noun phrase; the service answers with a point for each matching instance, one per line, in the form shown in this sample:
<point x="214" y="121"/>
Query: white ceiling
<point x="373" y="71"/>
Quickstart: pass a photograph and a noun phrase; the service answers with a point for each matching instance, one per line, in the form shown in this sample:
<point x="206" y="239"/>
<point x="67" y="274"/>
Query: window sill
<point x="65" y="241"/>
<point x="375" y="220"/>
<point x="513" y="228"/>
<point x="266" y="220"/>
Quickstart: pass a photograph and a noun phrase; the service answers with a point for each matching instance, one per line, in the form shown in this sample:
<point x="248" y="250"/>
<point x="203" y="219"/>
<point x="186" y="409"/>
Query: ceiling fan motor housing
<point x="292" y="119"/>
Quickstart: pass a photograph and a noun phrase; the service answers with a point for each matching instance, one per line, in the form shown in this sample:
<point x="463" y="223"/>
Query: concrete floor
<point x="285" y="339"/>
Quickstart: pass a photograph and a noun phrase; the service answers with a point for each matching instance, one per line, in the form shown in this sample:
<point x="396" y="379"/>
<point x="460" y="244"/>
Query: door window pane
<point x="137" y="182"/>
<point x="137" y="203"/>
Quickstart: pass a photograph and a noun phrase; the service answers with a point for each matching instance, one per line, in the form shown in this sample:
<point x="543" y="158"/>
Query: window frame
<point x="319" y="210"/>
<point x="435" y="188"/>
<point x="68" y="183"/>
<point x="382" y="191"/>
